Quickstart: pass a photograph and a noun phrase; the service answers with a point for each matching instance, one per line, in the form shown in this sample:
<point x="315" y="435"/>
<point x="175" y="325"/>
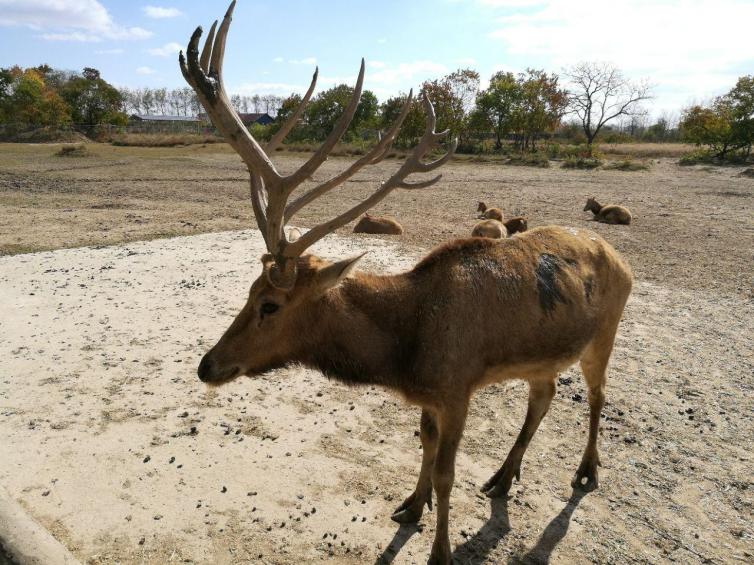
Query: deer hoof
<point x="500" y="483"/>
<point x="586" y="477"/>
<point x="412" y="508"/>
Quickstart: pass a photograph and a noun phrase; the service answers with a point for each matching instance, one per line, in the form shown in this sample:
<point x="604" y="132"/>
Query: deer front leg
<point x="412" y="508"/>
<point x="540" y="396"/>
<point x="451" y="423"/>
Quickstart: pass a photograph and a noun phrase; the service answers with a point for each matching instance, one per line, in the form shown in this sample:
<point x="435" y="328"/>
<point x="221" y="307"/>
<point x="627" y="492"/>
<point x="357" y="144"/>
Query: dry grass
<point x="163" y="140"/>
<point x="647" y="150"/>
<point x="627" y="165"/>
<point x="73" y="151"/>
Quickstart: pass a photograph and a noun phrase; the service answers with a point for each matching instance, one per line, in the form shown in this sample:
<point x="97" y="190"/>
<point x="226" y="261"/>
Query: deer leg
<point x="451" y="423"/>
<point x="594" y="366"/>
<point x="411" y="509"/>
<point x="540" y="396"/>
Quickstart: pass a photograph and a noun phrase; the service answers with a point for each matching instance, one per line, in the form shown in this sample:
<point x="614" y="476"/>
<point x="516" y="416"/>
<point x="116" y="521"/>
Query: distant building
<point x="163" y="119"/>
<point x="252" y="118"/>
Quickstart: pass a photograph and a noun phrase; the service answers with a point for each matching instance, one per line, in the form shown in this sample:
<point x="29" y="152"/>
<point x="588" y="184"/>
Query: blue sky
<point x="689" y="49"/>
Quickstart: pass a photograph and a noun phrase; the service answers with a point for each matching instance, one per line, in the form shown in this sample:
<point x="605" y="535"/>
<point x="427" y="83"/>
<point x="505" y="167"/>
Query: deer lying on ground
<point x="610" y="214"/>
<point x="495" y="229"/>
<point x="371" y="224"/>
<point x="489" y="213"/>
<point x="417" y="333"/>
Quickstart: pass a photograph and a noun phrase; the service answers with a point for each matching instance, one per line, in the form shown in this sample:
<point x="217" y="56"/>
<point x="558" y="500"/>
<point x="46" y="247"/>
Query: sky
<point x="689" y="50"/>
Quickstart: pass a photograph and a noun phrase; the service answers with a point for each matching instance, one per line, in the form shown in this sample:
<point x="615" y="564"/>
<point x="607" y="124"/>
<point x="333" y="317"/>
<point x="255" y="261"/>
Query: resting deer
<point x="417" y="333"/>
<point x="371" y="224"/>
<point x="495" y="229"/>
<point x="489" y="213"/>
<point x="610" y="214"/>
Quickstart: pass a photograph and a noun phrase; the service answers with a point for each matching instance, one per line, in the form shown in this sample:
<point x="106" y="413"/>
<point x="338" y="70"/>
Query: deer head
<point x="263" y="334"/>
<point x="591" y="204"/>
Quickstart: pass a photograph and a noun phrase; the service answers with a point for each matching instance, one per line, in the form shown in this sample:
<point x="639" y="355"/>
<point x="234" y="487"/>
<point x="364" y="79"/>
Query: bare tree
<point x="601" y="93"/>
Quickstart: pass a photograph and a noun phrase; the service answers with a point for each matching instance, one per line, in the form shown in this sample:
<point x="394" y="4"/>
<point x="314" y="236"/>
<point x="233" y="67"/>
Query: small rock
<point x="147" y="459"/>
<point x="224" y="490"/>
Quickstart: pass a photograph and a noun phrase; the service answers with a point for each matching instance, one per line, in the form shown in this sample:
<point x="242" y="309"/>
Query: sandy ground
<point x="112" y="443"/>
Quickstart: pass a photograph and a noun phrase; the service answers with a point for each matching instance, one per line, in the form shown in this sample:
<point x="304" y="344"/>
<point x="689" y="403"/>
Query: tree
<point x="92" y="100"/>
<point x="324" y="110"/>
<point x="495" y="106"/>
<point x="412" y="127"/>
<point x="725" y="126"/>
<point x="26" y="100"/>
<point x="452" y="95"/>
<point x="601" y="93"/>
<point x="540" y="107"/>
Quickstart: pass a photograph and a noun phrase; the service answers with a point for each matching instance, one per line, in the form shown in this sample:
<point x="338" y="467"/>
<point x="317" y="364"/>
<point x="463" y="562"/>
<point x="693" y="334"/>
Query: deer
<point x="609" y="214"/>
<point x="489" y="213"/>
<point x="518" y="224"/>
<point x="496" y="230"/>
<point x="372" y="224"/>
<point x="416" y="333"/>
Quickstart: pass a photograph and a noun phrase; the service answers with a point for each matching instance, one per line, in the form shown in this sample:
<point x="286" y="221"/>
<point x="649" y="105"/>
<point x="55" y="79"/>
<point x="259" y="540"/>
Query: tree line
<point x="183" y="102"/>
<point x="513" y="111"/>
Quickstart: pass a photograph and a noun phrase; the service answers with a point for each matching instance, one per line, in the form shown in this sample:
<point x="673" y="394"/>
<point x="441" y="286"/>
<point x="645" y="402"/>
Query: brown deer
<point x="516" y="225"/>
<point x="417" y="333"/>
<point x="489" y="213"/>
<point x="492" y="229"/>
<point x="495" y="229"/>
<point x="609" y="214"/>
<point x="372" y="224"/>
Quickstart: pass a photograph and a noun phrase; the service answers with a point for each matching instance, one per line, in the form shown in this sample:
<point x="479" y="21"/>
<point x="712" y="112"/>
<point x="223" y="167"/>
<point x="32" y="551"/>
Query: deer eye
<point x="268" y="308"/>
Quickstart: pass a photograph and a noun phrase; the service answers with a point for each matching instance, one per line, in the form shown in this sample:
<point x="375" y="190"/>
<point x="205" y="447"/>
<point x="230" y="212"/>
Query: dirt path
<point x="113" y="444"/>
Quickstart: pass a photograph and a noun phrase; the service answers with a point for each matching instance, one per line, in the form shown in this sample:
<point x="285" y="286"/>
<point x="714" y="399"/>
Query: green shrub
<point x="581" y="163"/>
<point x="538" y="159"/>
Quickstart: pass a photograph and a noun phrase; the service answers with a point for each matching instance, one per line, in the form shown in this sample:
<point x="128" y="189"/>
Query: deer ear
<point x="332" y="275"/>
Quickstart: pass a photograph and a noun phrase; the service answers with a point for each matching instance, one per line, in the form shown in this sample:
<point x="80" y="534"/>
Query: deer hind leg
<point x="594" y="366"/>
<point x="541" y="393"/>
<point x="411" y="509"/>
<point x="450" y="423"/>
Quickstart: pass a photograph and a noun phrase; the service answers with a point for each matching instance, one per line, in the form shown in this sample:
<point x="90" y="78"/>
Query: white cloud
<point x="67" y="20"/>
<point x="109" y="52"/>
<point x="304" y="61"/>
<point x="688" y="49"/>
<point x="405" y="75"/>
<point x="278" y="60"/>
<point x="145" y="71"/>
<point x="166" y="50"/>
<point x="282" y="88"/>
<point x="158" y="13"/>
<point x="382" y="40"/>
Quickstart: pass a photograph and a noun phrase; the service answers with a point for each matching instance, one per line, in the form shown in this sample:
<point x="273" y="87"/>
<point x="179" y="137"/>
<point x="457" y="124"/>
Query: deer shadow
<point x="553" y="534"/>
<point x="477" y="548"/>
<point x="404" y="533"/>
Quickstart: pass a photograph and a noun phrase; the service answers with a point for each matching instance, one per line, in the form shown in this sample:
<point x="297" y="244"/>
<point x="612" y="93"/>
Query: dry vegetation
<point x="676" y="483"/>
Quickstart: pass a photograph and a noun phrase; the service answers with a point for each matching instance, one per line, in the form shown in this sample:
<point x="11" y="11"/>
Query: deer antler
<point x="270" y="190"/>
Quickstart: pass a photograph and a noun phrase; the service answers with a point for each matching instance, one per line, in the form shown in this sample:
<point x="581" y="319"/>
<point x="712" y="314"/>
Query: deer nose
<point x="206" y="368"/>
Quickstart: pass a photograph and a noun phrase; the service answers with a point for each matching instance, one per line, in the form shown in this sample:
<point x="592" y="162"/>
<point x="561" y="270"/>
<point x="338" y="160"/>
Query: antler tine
<point x="218" y="48"/>
<point x="207" y="51"/>
<point x="307" y="169"/>
<point x="373" y="156"/>
<point x="412" y="165"/>
<point x="289" y="124"/>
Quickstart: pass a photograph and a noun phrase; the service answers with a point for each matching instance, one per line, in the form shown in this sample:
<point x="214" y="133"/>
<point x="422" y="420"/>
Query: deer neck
<point x="596" y="207"/>
<point x="364" y="331"/>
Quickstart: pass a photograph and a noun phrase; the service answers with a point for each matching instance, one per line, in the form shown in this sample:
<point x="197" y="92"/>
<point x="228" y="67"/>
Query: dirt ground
<point x="99" y="348"/>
